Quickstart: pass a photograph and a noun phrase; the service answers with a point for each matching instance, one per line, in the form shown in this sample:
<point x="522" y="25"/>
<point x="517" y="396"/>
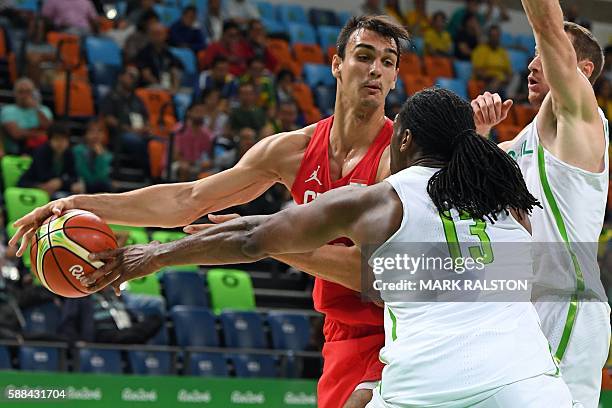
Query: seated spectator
<point x="417" y="19"/>
<point x="437" y="40"/>
<point x="213" y="20"/>
<point x="158" y="66"/>
<point x="229" y="148"/>
<point x="393" y="10"/>
<point x="139" y="39"/>
<point x="103" y="318"/>
<point x="467" y="38"/>
<point x="135" y="14"/>
<point x="215" y="111"/>
<point x="494" y="12"/>
<point x="79" y="16"/>
<point x="53" y="167"/>
<point x="264" y="86"/>
<point x="92" y="160"/>
<point x="25" y="121"/>
<point x="492" y="64"/>
<point x="185" y="34"/>
<point x="240" y="11"/>
<point x="193" y="143"/>
<point x="258" y="40"/>
<point x="284" y="120"/>
<point x="284" y="86"/>
<point x="458" y="17"/>
<point x="247" y="114"/>
<point x="126" y="118"/>
<point x="603" y="92"/>
<point x="218" y="77"/>
<point x="231" y="46"/>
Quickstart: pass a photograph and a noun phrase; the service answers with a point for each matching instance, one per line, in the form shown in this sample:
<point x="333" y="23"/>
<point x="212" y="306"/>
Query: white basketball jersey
<point x="443" y="351"/>
<point x="574" y="206"/>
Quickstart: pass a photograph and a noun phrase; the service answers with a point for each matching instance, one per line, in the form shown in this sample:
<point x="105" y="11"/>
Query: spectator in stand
<point x="284" y="120"/>
<point x="417" y="19"/>
<point x="467" y="38"/>
<point x="369" y="7"/>
<point x="103" y="318"/>
<point x="213" y="20"/>
<point x="240" y="11"/>
<point x="78" y="16"/>
<point x="215" y="111"/>
<point x="247" y="114"/>
<point x="193" y="145"/>
<point x="258" y="41"/>
<point x="437" y="40"/>
<point x="126" y="118"/>
<point x="158" y="66"/>
<point x="607" y="68"/>
<point x="494" y="12"/>
<point x="93" y="162"/>
<point x="218" y="77"/>
<point x="135" y="14"/>
<point x="603" y="92"/>
<point x="458" y="18"/>
<point x="284" y="86"/>
<point x="53" y="167"/>
<point x="263" y="83"/>
<point x="231" y="46"/>
<point x="139" y="39"/>
<point x="25" y="121"/>
<point x="393" y="10"/>
<point x="229" y="149"/>
<point x="184" y="33"/>
<point x="492" y="64"/>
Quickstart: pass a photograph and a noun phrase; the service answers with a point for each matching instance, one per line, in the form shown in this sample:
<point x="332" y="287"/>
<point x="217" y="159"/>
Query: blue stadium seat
<point x="507" y="40"/>
<point x="104" y="74"/>
<point x="167" y="14"/>
<point x="273" y="26"/>
<point x="42" y="319"/>
<point x="150" y="362"/>
<point x="200" y="5"/>
<point x="190" y="68"/>
<point x="396" y="96"/>
<point x="328" y="35"/>
<point x="183" y="288"/>
<point x="322" y="17"/>
<point x="289" y="331"/>
<point x="143" y="306"/>
<point x="26" y="5"/>
<point x="417" y="45"/>
<point x="342" y="17"/>
<point x="266" y="10"/>
<point x="194" y="326"/>
<point x="291" y="13"/>
<point x="301" y="33"/>
<point x="243" y="329"/>
<point x="318" y="74"/>
<point x="38" y="358"/>
<point x="207" y="365"/>
<point x="257" y="366"/>
<point x="519" y="60"/>
<point x="5" y="359"/>
<point x="121" y="8"/>
<point x="527" y="41"/>
<point x="325" y="99"/>
<point x="463" y="70"/>
<point x="101" y="50"/>
<point x="100" y="361"/>
<point x="182" y="101"/>
<point x="458" y="86"/>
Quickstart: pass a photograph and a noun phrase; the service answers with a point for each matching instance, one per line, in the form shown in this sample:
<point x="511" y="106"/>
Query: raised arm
<point x="178" y="204"/>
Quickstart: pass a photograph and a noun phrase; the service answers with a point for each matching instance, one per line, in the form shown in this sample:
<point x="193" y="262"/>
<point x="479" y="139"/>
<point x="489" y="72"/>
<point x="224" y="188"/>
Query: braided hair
<point x="478" y="178"/>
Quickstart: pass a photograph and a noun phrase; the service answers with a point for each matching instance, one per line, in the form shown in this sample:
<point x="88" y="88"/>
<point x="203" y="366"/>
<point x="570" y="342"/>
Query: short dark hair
<point x="586" y="47"/>
<point x="58" y="129"/>
<point x="437" y="14"/>
<point x="229" y="25"/>
<point x="285" y="73"/>
<point x="382" y="25"/>
<point x="190" y="9"/>
<point x="219" y="59"/>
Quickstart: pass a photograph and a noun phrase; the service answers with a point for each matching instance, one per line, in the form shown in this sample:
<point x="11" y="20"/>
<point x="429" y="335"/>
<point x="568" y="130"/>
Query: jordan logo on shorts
<point x="314" y="177"/>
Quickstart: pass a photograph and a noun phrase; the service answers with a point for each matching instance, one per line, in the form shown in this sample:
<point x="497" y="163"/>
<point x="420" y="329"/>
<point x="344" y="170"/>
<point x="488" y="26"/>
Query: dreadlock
<point x="479" y="178"/>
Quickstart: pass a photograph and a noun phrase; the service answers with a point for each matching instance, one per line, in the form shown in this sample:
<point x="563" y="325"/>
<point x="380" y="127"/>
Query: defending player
<point x="563" y="155"/>
<point x="437" y="354"/>
<point x="349" y="148"/>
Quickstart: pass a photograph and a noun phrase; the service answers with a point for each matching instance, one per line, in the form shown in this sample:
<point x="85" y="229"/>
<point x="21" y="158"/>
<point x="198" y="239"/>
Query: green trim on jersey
<point x="573" y="307"/>
<point x="394" y="324"/>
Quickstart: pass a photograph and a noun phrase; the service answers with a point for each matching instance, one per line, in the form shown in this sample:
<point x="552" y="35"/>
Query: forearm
<point x="334" y="263"/>
<point x="543" y="15"/>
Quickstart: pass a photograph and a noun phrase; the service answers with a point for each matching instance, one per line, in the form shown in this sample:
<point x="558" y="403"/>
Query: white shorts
<point x="587" y="349"/>
<point x="537" y="392"/>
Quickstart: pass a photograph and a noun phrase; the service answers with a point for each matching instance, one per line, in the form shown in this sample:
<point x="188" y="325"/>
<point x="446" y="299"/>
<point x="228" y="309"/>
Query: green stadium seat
<point x="230" y="289"/>
<point x="149" y="285"/>
<point x="169" y="236"/>
<point x="20" y="201"/>
<point x="10" y="230"/>
<point x="12" y="169"/>
<point x="137" y="235"/>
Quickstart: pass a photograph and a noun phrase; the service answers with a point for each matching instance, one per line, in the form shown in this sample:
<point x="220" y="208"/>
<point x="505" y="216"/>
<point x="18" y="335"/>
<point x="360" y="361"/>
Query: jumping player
<point x="481" y="354"/>
<point x="563" y="155"/>
<point x="351" y="147"/>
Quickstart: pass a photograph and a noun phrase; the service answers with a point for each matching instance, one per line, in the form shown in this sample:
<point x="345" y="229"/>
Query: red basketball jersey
<point x="335" y="301"/>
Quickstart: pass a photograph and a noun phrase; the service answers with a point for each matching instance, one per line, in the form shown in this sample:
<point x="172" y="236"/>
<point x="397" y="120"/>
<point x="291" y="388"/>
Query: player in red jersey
<point x="350" y="147"/>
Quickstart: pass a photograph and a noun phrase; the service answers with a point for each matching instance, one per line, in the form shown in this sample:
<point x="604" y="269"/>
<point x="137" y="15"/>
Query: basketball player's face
<point x="537" y="85"/>
<point x="368" y="71"/>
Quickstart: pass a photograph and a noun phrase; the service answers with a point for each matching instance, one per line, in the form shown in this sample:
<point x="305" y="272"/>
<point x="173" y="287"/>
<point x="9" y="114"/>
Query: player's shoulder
<point x="293" y="141"/>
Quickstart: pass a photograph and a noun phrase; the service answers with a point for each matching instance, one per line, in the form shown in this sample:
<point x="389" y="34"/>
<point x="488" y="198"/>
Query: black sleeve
<point x="69" y="175"/>
<point x="39" y="169"/>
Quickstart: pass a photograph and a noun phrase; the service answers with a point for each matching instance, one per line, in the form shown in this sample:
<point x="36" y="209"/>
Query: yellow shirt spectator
<point x="437" y="43"/>
<point x="491" y="63"/>
<point x="417" y="22"/>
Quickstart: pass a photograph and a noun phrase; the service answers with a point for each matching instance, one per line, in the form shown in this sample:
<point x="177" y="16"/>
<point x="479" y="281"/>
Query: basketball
<point x="60" y="248"/>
